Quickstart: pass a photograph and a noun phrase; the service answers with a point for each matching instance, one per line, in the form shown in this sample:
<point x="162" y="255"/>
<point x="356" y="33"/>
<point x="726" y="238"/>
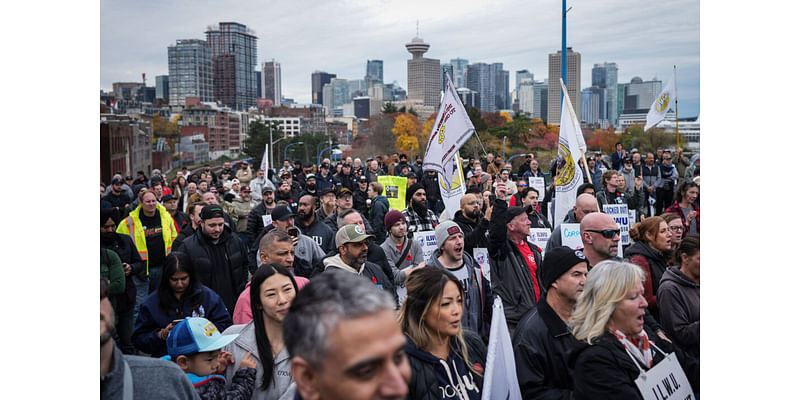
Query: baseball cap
<point x="285" y="174"/>
<point x="327" y="190"/>
<point x="362" y="178"/>
<point x="196" y="335"/>
<point x="268" y="187"/>
<point x="343" y="191"/>
<point x="351" y="233"/>
<point x="116" y="181"/>
<point x="281" y="213"/>
<point x="513" y="212"/>
<point x="167" y="197"/>
<point x="309" y="176"/>
<point x="211" y="211"/>
<point x="246" y="189"/>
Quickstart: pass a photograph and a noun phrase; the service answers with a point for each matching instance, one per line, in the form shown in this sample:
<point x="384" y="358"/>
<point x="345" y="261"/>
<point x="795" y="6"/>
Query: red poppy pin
<point x="408" y="257"/>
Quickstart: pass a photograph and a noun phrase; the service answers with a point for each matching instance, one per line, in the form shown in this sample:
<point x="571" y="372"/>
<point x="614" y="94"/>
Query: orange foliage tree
<point x="406" y="131"/>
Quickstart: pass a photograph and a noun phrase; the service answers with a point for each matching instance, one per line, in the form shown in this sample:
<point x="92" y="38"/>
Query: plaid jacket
<point x="415" y="223"/>
<point x="676" y="209"/>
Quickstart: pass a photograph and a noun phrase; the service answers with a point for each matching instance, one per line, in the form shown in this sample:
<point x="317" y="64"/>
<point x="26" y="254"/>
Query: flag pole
<point x="583" y="155"/>
<point x="677" y="133"/>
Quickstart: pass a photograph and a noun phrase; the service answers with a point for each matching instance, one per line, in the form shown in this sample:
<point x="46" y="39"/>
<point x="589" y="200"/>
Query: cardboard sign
<point x="571" y="236"/>
<point x="621" y="216"/>
<point x="537" y="182"/>
<point x="539" y="237"/>
<point x="665" y="381"/>
<point x="632" y="215"/>
<point x="394" y="188"/>
<point x="481" y="256"/>
<point x="426" y="239"/>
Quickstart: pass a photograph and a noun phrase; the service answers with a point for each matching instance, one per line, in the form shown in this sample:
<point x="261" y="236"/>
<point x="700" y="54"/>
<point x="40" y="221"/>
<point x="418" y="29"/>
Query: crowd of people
<point x="318" y="289"/>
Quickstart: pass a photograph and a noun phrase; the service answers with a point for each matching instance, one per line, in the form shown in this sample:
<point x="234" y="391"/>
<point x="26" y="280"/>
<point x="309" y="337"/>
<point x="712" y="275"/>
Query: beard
<point x="108" y="335"/>
<point x="306" y="217"/>
<point x="311" y="187"/>
<point x="475" y="214"/>
<point x="420" y="208"/>
<point x="107" y="238"/>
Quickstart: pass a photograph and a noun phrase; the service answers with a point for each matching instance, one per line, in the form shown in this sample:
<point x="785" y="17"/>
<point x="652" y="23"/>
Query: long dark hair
<point x="167" y="303"/>
<point x="683" y="188"/>
<point x="262" y="340"/>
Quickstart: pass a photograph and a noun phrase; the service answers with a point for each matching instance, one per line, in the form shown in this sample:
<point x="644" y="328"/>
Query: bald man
<point x="471" y="221"/>
<point x="585" y="204"/>
<point x="595" y="231"/>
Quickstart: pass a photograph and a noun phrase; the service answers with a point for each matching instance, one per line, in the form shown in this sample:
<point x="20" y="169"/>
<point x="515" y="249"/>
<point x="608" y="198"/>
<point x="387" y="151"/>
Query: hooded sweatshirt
<point x="368" y="270"/>
<point x="679" y="305"/>
<point x="434" y="378"/>
<point x="477" y="294"/>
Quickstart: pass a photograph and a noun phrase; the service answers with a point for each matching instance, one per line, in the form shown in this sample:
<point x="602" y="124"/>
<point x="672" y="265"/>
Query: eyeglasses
<point x="607" y="233"/>
<point x="522" y="185"/>
<point x="676" y="228"/>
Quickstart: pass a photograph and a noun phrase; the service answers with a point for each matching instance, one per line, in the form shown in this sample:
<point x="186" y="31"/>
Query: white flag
<point x="568" y="173"/>
<point x="660" y="106"/>
<point x="452" y="193"/>
<point x="451" y="130"/>
<point x="500" y="379"/>
<point x="264" y="164"/>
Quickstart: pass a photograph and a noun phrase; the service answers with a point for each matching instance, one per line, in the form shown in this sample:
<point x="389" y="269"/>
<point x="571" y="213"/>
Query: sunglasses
<point x="607" y="233"/>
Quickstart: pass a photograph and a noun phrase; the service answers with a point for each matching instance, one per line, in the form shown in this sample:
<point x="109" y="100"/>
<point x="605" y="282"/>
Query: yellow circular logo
<point x="663" y="102"/>
<point x="441" y="134"/>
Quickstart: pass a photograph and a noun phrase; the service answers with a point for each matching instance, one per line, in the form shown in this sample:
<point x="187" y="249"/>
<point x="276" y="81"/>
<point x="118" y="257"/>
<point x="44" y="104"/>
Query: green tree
<point x="258" y="137"/>
<point x="389" y="108"/>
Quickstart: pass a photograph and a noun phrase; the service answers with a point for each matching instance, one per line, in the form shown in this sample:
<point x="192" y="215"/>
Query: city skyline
<point x="608" y="32"/>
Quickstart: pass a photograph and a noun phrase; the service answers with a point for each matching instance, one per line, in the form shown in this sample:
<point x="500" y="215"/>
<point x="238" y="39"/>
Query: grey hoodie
<point x="282" y="386"/>
<point x="678" y="300"/>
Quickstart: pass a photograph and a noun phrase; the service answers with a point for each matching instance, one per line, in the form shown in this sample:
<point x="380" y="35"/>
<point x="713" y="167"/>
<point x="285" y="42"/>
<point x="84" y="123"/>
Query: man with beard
<point x="360" y="196"/>
<point x="255" y="220"/>
<point x="311" y="188"/>
<point x="132" y="265"/>
<point x="119" y="199"/>
<point x="344" y="201"/>
<point x="403" y="254"/>
<point x="285" y="194"/>
<point x="295" y="187"/>
<point x="346" y="179"/>
<point x="218" y="256"/>
<point x="149" y="378"/>
<point x="307" y="252"/>
<point x="651" y="178"/>
<point x="585" y="204"/>
<point x="351" y="242"/>
<point x="327" y="204"/>
<point x="191" y="189"/>
<point x="258" y="182"/>
<point x="542" y="341"/>
<point x="419" y="217"/>
<point x="450" y="256"/>
<point x="308" y="223"/>
<point x="472" y="223"/>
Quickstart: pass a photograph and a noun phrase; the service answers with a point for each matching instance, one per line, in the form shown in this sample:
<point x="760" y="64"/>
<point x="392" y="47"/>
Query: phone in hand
<point x="293" y="231"/>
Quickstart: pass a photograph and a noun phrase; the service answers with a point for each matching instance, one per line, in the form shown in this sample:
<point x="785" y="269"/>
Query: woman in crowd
<point x="272" y="290"/>
<point x="676" y="230"/>
<point x="178" y="187"/>
<point x="179" y="295"/>
<point x="679" y="297"/>
<point x="153" y="231"/>
<point x="685" y="207"/>
<point x="446" y="361"/>
<point x="652" y="241"/>
<point x="615" y="349"/>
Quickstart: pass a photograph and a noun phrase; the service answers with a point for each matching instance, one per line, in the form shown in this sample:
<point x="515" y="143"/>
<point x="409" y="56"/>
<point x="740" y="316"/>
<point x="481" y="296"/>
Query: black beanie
<point x="558" y="261"/>
<point x="410" y="192"/>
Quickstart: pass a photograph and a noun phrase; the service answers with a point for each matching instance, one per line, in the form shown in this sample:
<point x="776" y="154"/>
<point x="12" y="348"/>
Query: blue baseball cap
<point x="195" y="335"/>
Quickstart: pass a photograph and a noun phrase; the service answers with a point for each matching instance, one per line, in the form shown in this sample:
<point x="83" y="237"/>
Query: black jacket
<point x="426" y="383"/>
<point x="255" y="223"/>
<point x="603" y="370"/>
<point x="319" y="231"/>
<point x="475" y="233"/>
<point x="431" y="185"/>
<point x="542" y="343"/>
<point x="511" y="278"/>
<point x="126" y="250"/>
<point x="222" y="266"/>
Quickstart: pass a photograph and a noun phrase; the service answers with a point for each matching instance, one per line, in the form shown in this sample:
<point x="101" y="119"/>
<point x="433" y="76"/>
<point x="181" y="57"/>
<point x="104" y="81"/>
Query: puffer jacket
<point x="433" y="378"/>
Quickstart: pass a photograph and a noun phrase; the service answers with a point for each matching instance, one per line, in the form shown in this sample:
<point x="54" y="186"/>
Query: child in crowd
<point x="194" y="344"/>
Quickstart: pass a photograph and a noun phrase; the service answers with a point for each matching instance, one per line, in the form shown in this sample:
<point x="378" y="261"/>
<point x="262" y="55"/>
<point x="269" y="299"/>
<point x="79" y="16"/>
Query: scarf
<point x="638" y="345"/>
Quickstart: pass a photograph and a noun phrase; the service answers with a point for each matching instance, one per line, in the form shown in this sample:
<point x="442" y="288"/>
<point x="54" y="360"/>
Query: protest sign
<point x="571" y="236"/>
<point x="619" y="212"/>
<point x="665" y="381"/>
<point x="537" y="182"/>
<point x="426" y="239"/>
<point x="267" y="219"/>
<point x="539" y="237"/>
<point x="481" y="256"/>
<point x="394" y="188"/>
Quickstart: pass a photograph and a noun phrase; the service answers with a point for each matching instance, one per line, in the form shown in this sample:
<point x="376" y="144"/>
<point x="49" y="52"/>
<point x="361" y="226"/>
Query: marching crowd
<point x="317" y="289"/>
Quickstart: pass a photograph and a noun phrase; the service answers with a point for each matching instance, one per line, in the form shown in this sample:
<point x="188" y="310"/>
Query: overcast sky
<point x="645" y="39"/>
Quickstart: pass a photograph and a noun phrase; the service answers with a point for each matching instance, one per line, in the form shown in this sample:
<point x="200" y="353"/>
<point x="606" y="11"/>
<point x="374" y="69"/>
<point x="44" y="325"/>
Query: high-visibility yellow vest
<point x="132" y="225"/>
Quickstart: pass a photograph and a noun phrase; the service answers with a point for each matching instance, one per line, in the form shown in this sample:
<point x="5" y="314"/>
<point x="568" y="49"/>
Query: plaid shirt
<point x="676" y="209"/>
<point x="415" y="223"/>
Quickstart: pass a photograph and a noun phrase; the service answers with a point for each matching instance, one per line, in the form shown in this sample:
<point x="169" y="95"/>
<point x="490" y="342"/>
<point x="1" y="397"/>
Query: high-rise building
<point x="593" y="106"/>
<point x="271" y="81"/>
<point x="447" y="69"/>
<point x="356" y="88"/>
<point x="318" y="80"/>
<point x="459" y="72"/>
<point x="480" y="78"/>
<point x="162" y="87"/>
<point x="424" y="74"/>
<point x="522" y="77"/>
<point x="639" y="94"/>
<point x="336" y="94"/>
<point x="604" y="76"/>
<point x="501" y="96"/>
<point x="469" y="97"/>
<point x="259" y="89"/>
<point x="554" y="85"/>
<point x="374" y="71"/>
<point x="540" y="99"/>
<point x="525" y="96"/>
<point x="233" y="51"/>
<point x="190" y="72"/>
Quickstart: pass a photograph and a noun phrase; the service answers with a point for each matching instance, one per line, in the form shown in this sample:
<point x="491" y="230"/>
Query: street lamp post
<point x="319" y="155"/>
<point x="287" y="148"/>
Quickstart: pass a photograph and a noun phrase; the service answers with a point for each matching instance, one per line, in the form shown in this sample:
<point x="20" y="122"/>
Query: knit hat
<point x="411" y="190"/>
<point x="392" y="217"/>
<point x="445" y="230"/>
<point x="196" y="335"/>
<point x="557" y="262"/>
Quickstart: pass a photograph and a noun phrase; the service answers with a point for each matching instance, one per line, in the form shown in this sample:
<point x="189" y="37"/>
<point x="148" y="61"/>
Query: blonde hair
<point x="606" y="285"/>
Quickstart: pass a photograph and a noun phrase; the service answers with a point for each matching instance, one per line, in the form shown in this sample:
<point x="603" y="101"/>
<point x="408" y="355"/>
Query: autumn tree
<point x="406" y="131"/>
<point x="654" y="138"/>
<point x="164" y="127"/>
